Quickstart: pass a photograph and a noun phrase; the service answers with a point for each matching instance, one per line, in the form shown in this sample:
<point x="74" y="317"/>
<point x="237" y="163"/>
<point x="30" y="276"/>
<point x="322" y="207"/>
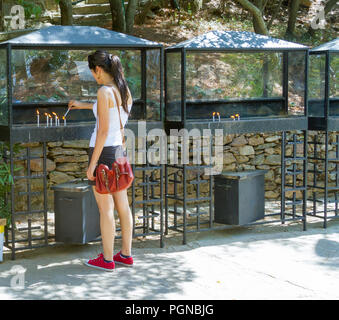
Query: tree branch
<point x="258" y="21"/>
<point x="274" y="15"/>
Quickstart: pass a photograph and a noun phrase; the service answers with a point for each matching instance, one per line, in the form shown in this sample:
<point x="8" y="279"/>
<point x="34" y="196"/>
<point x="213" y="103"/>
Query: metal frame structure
<point x="290" y="165"/>
<point x="76" y="37"/>
<point x="325" y="125"/>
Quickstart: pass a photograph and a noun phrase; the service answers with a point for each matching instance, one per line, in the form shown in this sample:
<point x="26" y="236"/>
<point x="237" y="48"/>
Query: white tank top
<point x="114" y="134"/>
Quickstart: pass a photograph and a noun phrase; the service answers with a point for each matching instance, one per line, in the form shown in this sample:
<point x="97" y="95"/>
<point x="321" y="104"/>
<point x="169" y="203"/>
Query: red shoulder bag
<point x="121" y="176"/>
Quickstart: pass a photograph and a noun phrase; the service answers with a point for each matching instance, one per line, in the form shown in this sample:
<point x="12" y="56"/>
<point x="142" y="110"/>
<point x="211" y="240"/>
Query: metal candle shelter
<point x="323" y="92"/>
<point x="260" y="79"/>
<point x="45" y="69"/>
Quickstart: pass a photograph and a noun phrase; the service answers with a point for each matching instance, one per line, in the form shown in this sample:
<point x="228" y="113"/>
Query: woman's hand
<point x="90" y="172"/>
<point x="74" y="104"/>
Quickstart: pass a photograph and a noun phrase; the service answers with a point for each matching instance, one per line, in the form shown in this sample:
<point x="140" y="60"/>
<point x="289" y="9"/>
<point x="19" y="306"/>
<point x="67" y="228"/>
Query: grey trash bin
<point x="76" y="212"/>
<point x="239" y="197"/>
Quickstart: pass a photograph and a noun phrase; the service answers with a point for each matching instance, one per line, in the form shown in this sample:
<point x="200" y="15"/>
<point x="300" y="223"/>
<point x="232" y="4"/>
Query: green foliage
<point x="31" y="8"/>
<point x="6" y="181"/>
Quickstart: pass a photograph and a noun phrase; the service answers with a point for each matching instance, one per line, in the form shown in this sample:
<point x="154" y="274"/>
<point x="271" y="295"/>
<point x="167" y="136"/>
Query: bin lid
<point x="240" y="175"/>
<point x="73" y="186"/>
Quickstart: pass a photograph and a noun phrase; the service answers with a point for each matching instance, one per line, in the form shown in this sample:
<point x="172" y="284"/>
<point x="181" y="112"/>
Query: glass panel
<point x="61" y="75"/>
<point x="55" y="75"/>
<point x="244" y="83"/>
<point x="173" y="75"/>
<point x="296" y="82"/>
<point x="334" y="84"/>
<point x="316" y="85"/>
<point x="153" y="61"/>
<point x="3" y="88"/>
<point x="334" y="75"/>
<point x="220" y="75"/>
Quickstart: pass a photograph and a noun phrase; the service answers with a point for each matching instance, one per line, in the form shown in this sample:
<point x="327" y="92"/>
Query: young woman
<point x="105" y="145"/>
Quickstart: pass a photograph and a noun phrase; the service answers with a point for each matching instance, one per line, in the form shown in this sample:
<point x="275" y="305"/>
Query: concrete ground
<point x="257" y="262"/>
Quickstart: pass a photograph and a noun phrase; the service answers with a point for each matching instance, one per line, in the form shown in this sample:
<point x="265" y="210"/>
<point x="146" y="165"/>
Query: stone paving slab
<point x="257" y="262"/>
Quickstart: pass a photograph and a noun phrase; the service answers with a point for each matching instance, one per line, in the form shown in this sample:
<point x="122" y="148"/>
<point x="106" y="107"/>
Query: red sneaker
<point x="99" y="263"/>
<point x="118" y="259"/>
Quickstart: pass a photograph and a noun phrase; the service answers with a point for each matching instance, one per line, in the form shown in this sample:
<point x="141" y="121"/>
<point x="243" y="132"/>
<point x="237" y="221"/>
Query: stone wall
<point x="68" y="160"/>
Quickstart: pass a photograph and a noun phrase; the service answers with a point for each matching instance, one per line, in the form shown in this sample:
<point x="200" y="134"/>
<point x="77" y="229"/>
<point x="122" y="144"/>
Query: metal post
<point x="285" y="79"/>
<point x="327" y="86"/>
<point x="161" y="207"/>
<point x="162" y="84"/>
<point x="143" y="82"/>
<point x="133" y="199"/>
<point x="184" y="205"/>
<point x="283" y="169"/>
<point x="305" y="169"/>
<point x="183" y="87"/>
<point x="166" y="199"/>
<point x="326" y="179"/>
<point x="44" y="150"/>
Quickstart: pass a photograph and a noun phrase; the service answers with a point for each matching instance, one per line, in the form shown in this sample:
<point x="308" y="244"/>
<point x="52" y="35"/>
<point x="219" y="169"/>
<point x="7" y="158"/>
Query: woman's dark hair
<point x="112" y="65"/>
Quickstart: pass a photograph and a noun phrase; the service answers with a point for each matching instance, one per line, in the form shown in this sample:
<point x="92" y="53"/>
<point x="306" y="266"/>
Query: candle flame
<point x="213" y="113"/>
<point x="63" y="118"/>
<point x="54" y="113"/>
<point x="49" y="115"/>
<point x="46" y="114"/>
<point x="37" y="111"/>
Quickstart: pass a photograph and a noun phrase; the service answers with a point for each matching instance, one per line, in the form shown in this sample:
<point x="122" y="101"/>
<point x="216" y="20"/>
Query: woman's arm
<point x="103" y="126"/>
<point x="75" y="104"/>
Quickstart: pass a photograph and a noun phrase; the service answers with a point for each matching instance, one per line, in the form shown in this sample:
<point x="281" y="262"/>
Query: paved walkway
<point x="257" y="262"/>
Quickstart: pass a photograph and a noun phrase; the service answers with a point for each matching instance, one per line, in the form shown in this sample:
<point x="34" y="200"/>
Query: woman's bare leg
<point x="126" y="221"/>
<point x="107" y="222"/>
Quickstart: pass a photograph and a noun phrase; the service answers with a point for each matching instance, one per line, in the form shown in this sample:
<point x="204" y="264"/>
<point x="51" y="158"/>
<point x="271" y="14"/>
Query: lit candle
<point x="38" y="117"/>
<point x="64" y="118"/>
<point x="46" y="114"/>
<point x="232" y="117"/>
<point x="213" y="115"/>
<point x="218" y="113"/>
<point x="55" y="117"/>
<point x="57" y="121"/>
<point x="238" y="117"/>
<point x="51" y="119"/>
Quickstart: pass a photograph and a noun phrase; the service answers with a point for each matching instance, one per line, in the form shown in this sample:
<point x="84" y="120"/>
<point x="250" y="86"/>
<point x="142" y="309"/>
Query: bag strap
<point x="121" y="126"/>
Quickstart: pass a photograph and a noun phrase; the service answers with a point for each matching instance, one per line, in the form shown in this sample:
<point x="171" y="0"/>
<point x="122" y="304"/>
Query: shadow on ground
<point x="58" y="273"/>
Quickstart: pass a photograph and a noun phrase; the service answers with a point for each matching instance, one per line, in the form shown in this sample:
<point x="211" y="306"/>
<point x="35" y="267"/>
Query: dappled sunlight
<point x="236" y="40"/>
<point x="78" y="35"/>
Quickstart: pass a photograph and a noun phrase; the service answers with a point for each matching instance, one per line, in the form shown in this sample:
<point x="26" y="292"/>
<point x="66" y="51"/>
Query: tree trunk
<point x="293" y="11"/>
<point x="175" y="4"/>
<point x="118" y="15"/>
<point x="193" y="5"/>
<point x="130" y="15"/>
<point x="143" y="14"/>
<point x="258" y="20"/>
<point x="329" y="6"/>
<point x="274" y="15"/>
<point x="66" y="12"/>
<point x="1" y="16"/>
